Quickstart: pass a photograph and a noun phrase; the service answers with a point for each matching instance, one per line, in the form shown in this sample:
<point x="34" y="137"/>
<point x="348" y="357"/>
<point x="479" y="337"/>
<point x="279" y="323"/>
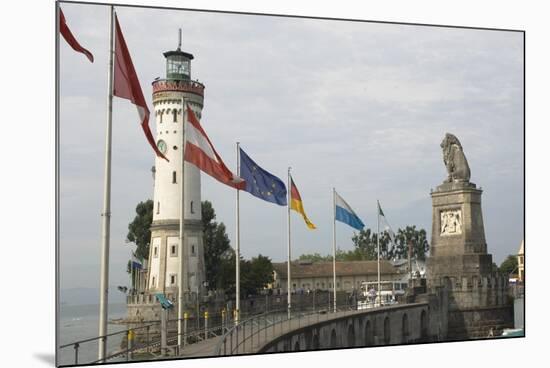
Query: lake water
<point x="79" y="322"/>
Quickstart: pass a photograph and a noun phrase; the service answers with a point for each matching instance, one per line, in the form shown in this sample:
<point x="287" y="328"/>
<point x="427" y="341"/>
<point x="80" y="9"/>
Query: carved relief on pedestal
<point x="451" y="222"/>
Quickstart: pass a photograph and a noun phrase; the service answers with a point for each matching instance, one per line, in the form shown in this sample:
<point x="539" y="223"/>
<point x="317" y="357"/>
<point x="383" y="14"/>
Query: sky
<point x="358" y="106"/>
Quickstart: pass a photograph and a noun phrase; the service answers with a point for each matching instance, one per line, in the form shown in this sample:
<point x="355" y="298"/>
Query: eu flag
<point x="261" y="183"/>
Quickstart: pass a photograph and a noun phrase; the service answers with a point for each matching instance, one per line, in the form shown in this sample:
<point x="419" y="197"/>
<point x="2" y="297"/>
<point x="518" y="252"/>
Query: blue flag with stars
<point x="261" y="183"/>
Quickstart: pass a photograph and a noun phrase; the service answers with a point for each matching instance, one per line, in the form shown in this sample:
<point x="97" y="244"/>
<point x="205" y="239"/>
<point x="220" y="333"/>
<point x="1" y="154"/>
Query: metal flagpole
<point x="378" y="247"/>
<point x="106" y="214"/>
<point x="334" y="246"/>
<point x="237" y="249"/>
<point x="182" y="282"/>
<point x="132" y="276"/>
<point x="289" y="304"/>
<point x="57" y="123"/>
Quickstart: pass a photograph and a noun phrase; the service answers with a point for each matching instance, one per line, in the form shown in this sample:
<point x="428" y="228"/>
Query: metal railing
<point x="195" y="334"/>
<point x="77" y="344"/>
<point x="257" y="331"/>
<point x="239" y="335"/>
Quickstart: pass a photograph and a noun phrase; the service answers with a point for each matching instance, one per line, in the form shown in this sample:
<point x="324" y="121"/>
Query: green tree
<point x="261" y="270"/>
<point x="216" y="247"/>
<point x="139" y="230"/>
<point x="420" y="245"/>
<point x="255" y="274"/>
<point x="509" y="265"/>
<point x="366" y="245"/>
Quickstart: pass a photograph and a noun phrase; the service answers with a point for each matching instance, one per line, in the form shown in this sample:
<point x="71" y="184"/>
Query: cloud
<point x="357" y="106"/>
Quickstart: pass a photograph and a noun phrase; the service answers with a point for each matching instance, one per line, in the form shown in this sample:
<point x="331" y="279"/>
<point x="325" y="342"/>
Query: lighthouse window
<point x="173" y="177"/>
<point x="192" y="209"/>
<point x="173" y="250"/>
<point x="192" y="249"/>
<point x="155" y="252"/>
<point x="172" y="279"/>
<point x="161" y="113"/>
<point x="153" y="282"/>
<point x="175" y="112"/>
<point x="158" y="208"/>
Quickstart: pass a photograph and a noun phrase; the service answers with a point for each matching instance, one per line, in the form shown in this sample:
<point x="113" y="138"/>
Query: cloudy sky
<point x="358" y="106"/>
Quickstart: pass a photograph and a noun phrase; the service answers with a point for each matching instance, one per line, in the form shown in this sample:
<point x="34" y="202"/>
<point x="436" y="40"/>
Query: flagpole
<point x="334" y="245"/>
<point x="289" y="297"/>
<point x="131" y="273"/>
<point x="182" y="284"/>
<point x="106" y="214"/>
<point x="237" y="248"/>
<point x="57" y="123"/>
<point x="378" y="247"/>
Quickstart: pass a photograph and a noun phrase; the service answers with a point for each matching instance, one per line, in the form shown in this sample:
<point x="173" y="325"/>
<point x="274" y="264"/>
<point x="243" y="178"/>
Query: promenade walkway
<point x="253" y="334"/>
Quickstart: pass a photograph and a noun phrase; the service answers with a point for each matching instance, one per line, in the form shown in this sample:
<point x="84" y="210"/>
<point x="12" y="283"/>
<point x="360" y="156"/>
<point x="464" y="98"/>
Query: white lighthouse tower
<point x="163" y="273"/>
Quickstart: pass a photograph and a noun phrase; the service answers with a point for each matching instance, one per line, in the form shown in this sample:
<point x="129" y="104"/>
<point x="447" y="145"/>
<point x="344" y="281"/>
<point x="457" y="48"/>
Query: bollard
<point x="206" y="325"/>
<point x="185" y="317"/>
<point x="130" y="344"/>
<point x="127" y="345"/>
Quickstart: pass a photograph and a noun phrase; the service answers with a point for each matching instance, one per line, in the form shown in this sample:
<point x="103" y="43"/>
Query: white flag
<point x="386" y="225"/>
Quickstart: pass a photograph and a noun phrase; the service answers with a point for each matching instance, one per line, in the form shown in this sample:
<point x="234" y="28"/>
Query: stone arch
<point x="297" y="345"/>
<point x="308" y="339"/>
<point x="387" y="330"/>
<point x="360" y="340"/>
<point x="333" y="343"/>
<point x="368" y="333"/>
<point x="405" y="329"/>
<point x="351" y="335"/>
<point x="315" y="342"/>
<point x="423" y="325"/>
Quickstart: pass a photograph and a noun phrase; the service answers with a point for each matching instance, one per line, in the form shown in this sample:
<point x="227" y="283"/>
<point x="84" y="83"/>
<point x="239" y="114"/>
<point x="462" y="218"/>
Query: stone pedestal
<point x="458" y="246"/>
<point x="460" y="264"/>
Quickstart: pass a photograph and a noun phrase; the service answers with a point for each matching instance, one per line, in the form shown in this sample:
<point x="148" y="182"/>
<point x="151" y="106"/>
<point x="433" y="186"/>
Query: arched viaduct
<point x="400" y="324"/>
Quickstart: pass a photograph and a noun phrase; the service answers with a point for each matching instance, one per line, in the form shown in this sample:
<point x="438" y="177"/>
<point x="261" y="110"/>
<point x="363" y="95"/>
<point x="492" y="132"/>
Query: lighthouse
<point x="163" y="268"/>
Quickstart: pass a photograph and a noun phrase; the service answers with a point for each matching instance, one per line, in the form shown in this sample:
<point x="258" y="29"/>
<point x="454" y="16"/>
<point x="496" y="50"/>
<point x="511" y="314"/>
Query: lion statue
<point x="455" y="161"/>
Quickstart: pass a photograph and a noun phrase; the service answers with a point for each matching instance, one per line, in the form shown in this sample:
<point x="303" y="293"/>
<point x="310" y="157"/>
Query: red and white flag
<point x="68" y="36"/>
<point x="200" y="152"/>
<point x="126" y="85"/>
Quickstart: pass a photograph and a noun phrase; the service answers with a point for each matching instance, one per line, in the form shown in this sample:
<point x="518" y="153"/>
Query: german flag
<point x="296" y="204"/>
